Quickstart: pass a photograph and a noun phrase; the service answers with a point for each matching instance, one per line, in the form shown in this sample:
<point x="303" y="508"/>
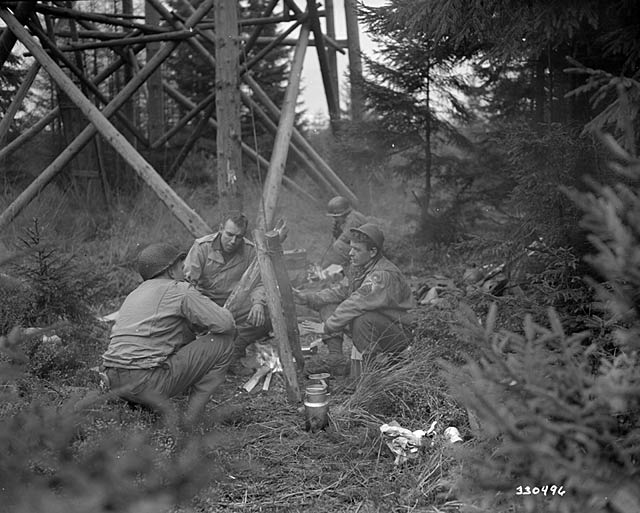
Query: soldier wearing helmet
<point x="373" y="306"/>
<point x="344" y="218"/>
<point x="168" y="337"/>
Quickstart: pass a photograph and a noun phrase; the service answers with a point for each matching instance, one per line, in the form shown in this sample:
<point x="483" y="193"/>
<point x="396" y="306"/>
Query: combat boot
<point x="336" y="360"/>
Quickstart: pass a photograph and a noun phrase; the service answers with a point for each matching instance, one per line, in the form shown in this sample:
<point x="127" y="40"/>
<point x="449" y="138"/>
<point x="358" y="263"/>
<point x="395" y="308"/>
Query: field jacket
<point x="380" y="286"/>
<point x="206" y="268"/>
<point x="158" y="318"/>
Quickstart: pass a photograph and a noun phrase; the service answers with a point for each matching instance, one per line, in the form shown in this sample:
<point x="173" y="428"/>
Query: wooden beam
<point x="155" y="96"/>
<point x="276" y="315"/>
<point x="298" y="12"/>
<point x="37" y="127"/>
<point x="8" y="38"/>
<point x="283" y="137"/>
<point x="185" y="120"/>
<point x="190" y="219"/>
<point x="270" y="125"/>
<point x="325" y="73"/>
<point x="274" y="248"/>
<point x="331" y="52"/>
<point x="192" y="140"/>
<point x="270" y="46"/>
<point x="229" y="156"/>
<point x="81" y="76"/>
<point x="326" y="170"/>
<point x="105" y="19"/>
<point x="177" y="35"/>
<point x="85" y="136"/>
<point x="16" y="102"/>
<point x="355" y="60"/>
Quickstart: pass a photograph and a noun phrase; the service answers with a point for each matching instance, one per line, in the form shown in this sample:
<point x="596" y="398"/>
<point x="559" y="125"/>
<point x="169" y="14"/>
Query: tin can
<point x="316" y="407"/>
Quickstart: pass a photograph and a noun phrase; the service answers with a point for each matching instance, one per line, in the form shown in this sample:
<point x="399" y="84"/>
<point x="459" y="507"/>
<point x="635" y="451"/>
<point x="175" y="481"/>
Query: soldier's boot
<point x="336" y="360"/>
<point x="333" y="363"/>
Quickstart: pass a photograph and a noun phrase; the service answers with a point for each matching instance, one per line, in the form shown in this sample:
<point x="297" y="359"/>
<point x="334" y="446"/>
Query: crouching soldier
<point x="153" y="352"/>
<point x="373" y="306"/>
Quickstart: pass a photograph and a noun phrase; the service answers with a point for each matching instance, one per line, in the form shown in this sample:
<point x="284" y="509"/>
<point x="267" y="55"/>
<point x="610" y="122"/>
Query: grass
<point x="253" y="453"/>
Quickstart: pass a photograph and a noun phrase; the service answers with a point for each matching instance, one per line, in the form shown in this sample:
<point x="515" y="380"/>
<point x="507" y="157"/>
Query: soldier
<point x="344" y="218"/>
<point x="153" y="352"/>
<point x="215" y="264"/>
<point x="373" y="306"/>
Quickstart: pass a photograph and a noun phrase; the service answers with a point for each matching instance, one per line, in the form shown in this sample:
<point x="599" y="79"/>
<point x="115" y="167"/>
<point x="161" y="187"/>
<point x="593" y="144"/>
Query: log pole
<point x="198" y="226"/>
<point x="276" y="314"/>
<point x="283" y="137"/>
<point x="8" y="38"/>
<point x="274" y="247"/>
<point x="325" y="70"/>
<point x="355" y="59"/>
<point x="298" y="138"/>
<point x="37" y="127"/>
<point x="5" y="123"/>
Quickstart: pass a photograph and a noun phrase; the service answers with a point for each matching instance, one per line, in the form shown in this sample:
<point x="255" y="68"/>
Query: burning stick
<point x="257" y="376"/>
<point x="269" y="363"/>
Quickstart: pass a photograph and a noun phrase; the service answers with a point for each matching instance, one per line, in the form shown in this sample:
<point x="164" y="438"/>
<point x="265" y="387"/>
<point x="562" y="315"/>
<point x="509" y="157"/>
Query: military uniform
<point x="205" y="266"/>
<point x="373" y="305"/>
<point x="153" y="352"/>
<point x="339" y="251"/>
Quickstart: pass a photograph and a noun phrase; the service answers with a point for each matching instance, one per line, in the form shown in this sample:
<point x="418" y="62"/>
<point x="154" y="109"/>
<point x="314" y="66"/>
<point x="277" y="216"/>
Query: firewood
<point x="257" y="376"/>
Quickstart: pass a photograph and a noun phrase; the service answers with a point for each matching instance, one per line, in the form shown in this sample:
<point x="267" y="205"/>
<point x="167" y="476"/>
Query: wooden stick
<point x="283" y="137"/>
<point x="257" y="376"/>
<point x="200" y="228"/>
<point x="276" y="315"/>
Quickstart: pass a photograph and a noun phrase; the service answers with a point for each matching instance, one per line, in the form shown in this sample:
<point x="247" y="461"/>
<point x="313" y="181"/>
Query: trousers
<point x="199" y="367"/>
<point x="373" y="333"/>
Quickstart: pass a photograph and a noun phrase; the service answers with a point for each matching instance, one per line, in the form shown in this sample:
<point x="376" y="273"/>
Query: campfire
<point x="264" y="358"/>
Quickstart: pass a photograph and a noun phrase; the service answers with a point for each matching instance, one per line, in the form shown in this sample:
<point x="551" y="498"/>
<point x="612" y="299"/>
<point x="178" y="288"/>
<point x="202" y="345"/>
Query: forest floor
<point x="252" y="451"/>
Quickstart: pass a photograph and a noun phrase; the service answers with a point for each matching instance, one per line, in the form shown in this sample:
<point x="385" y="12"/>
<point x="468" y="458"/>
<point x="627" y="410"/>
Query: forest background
<point x="499" y="143"/>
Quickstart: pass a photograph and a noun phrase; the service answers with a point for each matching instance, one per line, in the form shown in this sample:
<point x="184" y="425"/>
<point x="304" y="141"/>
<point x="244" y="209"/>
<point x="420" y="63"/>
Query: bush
<point x="556" y="407"/>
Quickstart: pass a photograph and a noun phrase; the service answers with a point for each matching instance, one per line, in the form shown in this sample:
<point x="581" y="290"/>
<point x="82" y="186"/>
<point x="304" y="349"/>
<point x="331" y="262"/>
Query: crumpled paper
<point x="404" y="443"/>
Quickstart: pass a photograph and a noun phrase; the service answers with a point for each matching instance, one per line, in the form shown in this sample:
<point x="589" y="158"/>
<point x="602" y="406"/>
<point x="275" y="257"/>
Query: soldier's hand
<point x="299" y="296"/>
<point x="256" y="315"/>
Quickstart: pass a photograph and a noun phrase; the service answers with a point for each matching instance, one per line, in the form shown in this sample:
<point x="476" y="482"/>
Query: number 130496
<point x="544" y="490"/>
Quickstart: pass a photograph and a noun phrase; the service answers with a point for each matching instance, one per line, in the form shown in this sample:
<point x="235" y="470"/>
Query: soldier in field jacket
<point x="215" y="264"/>
<point x="154" y="351"/>
<point x="373" y="306"/>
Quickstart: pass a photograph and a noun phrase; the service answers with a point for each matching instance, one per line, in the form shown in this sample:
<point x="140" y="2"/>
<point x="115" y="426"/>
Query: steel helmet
<point x="157" y="258"/>
<point x="338" y="206"/>
<point x="373" y="232"/>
